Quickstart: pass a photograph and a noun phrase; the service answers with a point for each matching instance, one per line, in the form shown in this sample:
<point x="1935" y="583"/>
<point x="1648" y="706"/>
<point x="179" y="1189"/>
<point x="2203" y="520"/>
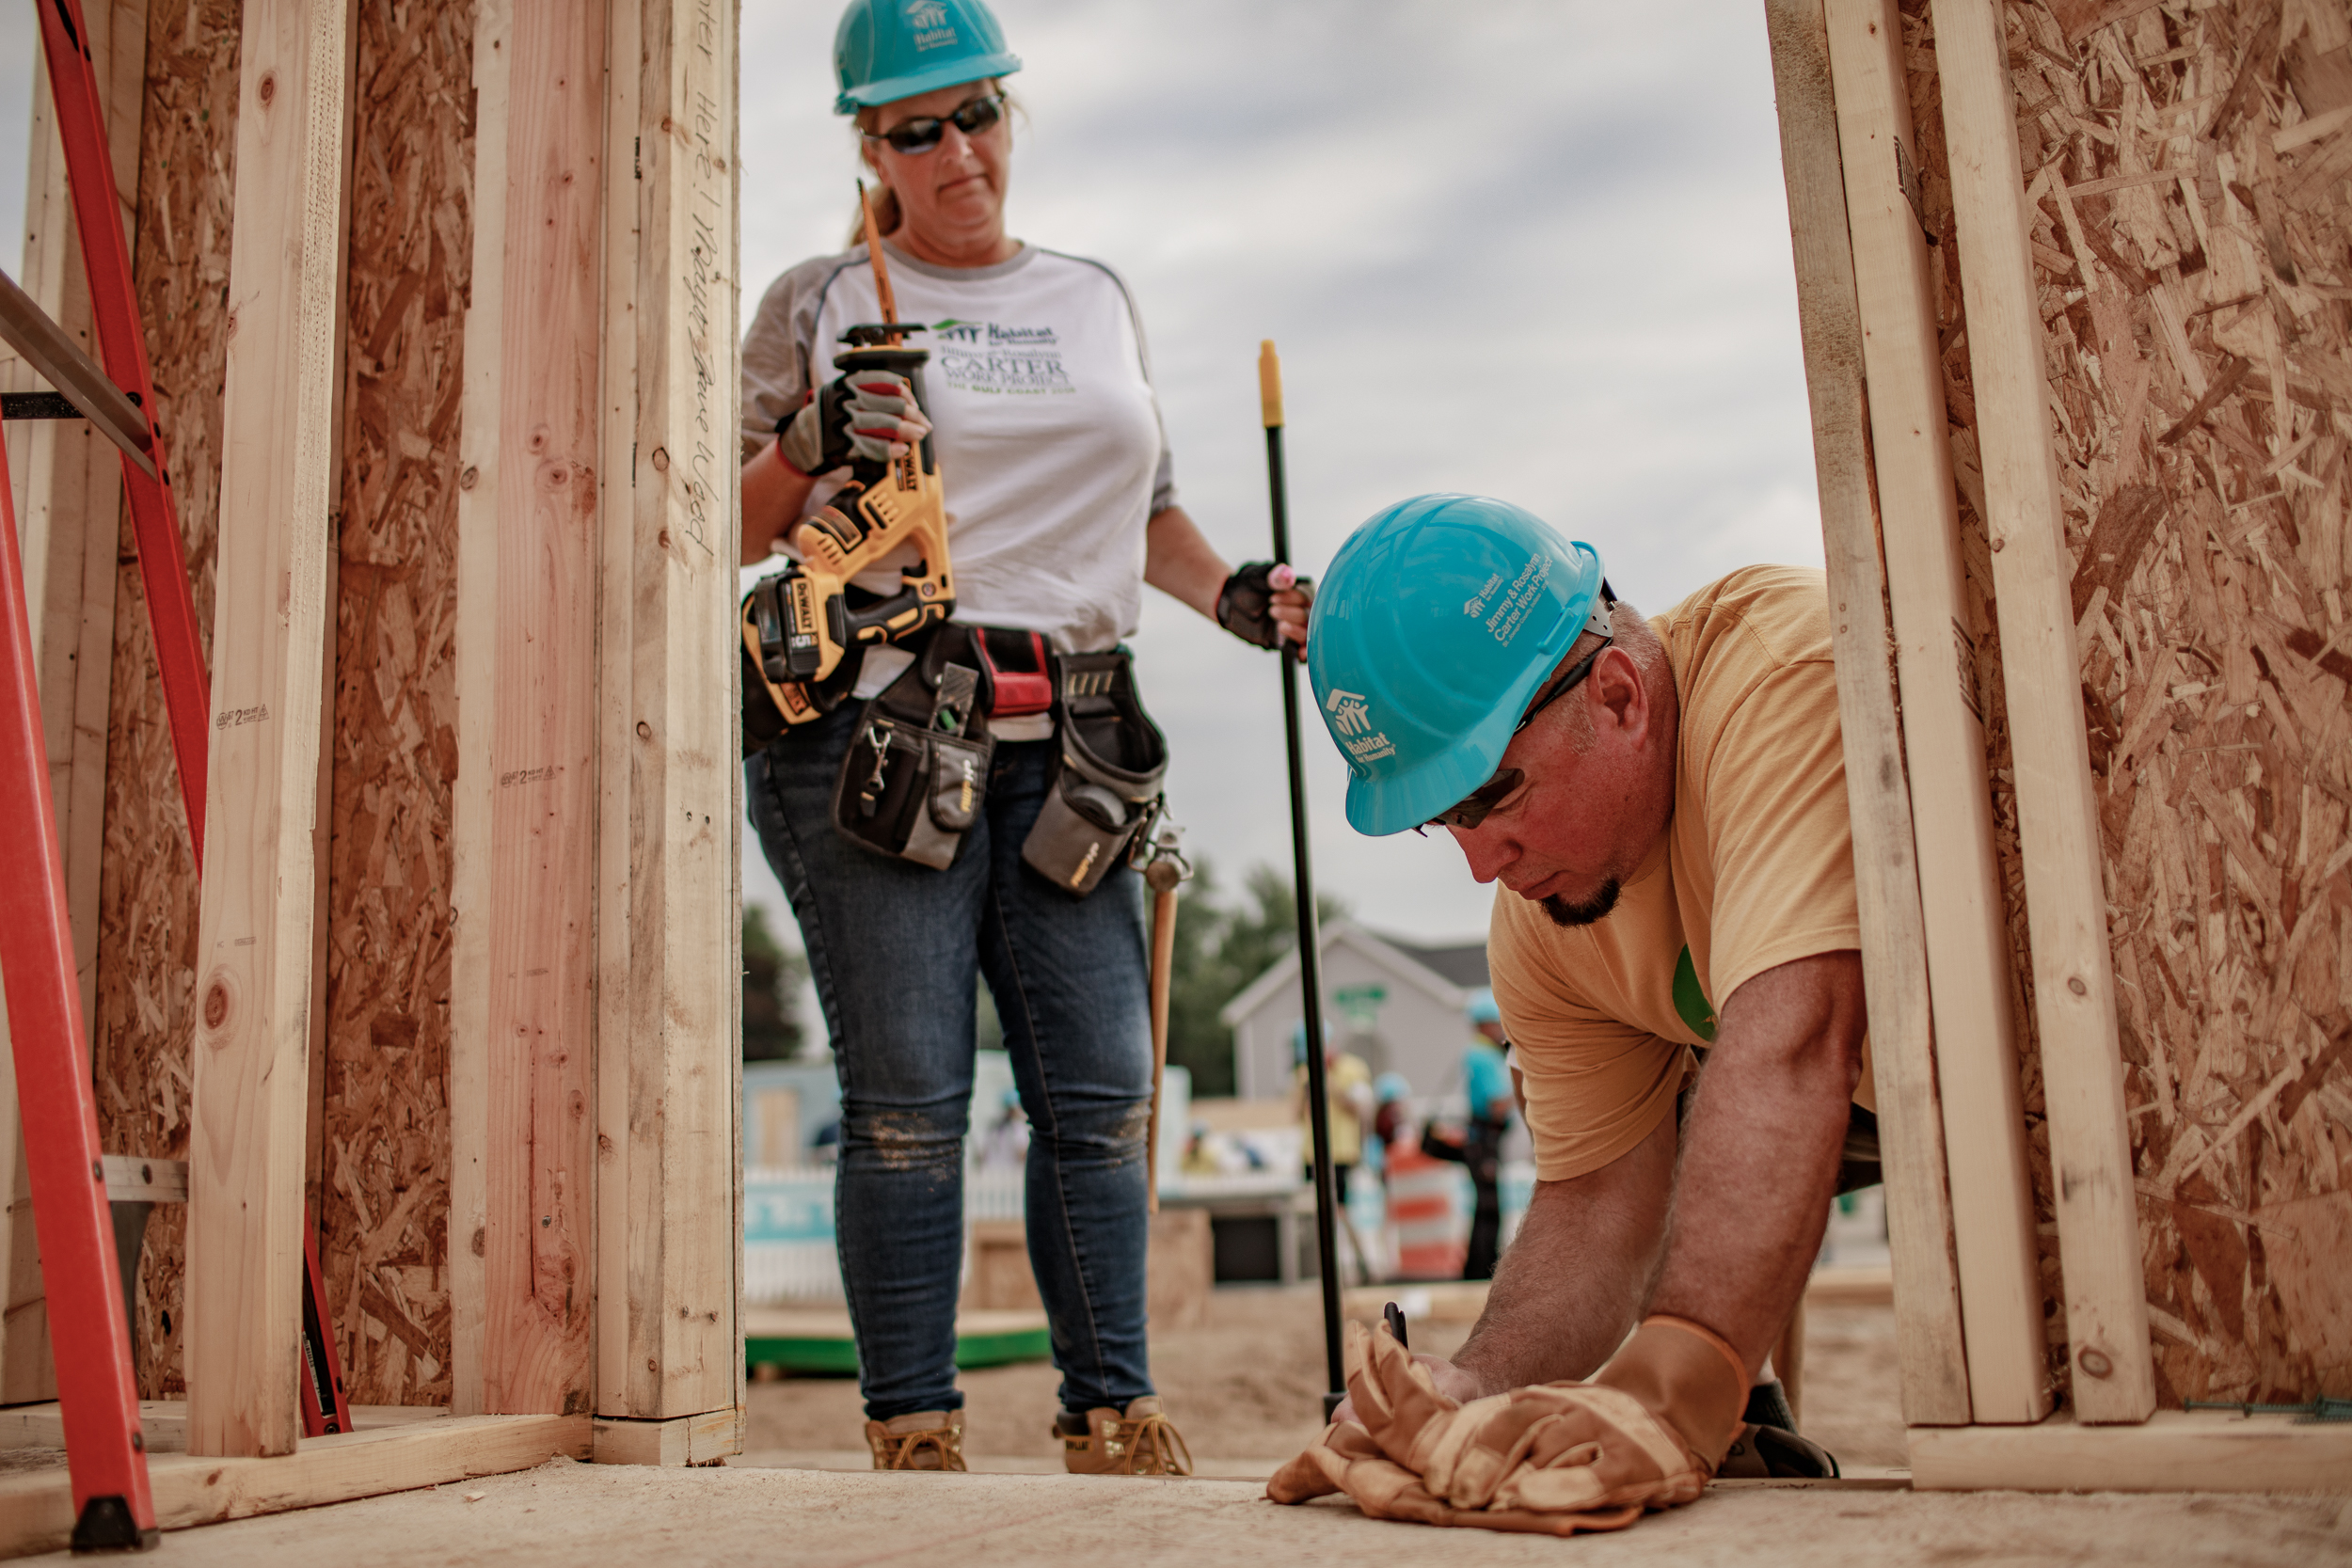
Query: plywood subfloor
<point x="562" y="1514"/>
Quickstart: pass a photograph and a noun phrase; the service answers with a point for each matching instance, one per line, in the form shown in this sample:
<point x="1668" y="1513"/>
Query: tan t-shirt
<point x="1757" y="870"/>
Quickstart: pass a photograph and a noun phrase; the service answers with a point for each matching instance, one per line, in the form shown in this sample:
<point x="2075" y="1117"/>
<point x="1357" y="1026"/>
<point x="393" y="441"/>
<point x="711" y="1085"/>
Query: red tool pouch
<point x="1016" y="669"/>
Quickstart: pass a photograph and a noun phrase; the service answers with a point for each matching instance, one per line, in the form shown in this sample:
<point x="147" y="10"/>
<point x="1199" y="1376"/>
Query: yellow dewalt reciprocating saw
<point x="799" y="624"/>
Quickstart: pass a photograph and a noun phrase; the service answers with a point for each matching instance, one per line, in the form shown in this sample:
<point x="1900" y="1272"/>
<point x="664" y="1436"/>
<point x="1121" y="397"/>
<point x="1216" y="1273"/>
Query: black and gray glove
<point x="1245" y="606"/>
<point x="859" y="417"/>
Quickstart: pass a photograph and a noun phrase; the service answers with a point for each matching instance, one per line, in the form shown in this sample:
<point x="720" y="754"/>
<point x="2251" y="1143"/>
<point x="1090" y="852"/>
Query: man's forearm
<point x="1573" y="1281"/>
<point x="1762" y="1153"/>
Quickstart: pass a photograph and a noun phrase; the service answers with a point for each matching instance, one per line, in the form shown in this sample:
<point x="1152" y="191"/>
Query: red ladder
<point x="97" y="1390"/>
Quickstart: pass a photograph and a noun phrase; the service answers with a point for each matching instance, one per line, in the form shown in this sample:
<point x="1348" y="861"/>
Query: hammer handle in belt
<point x="1163" y="961"/>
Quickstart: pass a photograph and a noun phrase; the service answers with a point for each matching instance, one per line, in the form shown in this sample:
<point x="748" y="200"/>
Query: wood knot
<point x="268" y="89"/>
<point x="466" y="479"/>
<point x="644" y="731"/>
<point x="2094" y="1362"/>
<point x="215" y="1006"/>
<point x="662" y="460"/>
<point x="2076" y="986"/>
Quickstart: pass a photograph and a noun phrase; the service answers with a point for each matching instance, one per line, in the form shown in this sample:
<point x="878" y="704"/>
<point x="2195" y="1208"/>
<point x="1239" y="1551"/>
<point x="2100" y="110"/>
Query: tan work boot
<point x="927" y="1440"/>
<point x="1143" y="1442"/>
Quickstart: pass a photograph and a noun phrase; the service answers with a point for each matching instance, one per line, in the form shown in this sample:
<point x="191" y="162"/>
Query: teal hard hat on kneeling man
<point x="1435" y="625"/>
<point x="885" y="49"/>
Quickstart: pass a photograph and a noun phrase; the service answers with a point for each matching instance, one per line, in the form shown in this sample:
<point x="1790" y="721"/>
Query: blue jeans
<point x="897" y="949"/>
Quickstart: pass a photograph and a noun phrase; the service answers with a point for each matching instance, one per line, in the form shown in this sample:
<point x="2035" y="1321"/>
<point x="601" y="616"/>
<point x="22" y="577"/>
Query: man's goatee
<point x="1563" y="913"/>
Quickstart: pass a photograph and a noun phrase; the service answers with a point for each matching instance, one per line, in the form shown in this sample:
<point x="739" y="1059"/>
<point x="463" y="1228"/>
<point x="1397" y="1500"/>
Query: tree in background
<point x="1219" y="951"/>
<point x="771" y="990"/>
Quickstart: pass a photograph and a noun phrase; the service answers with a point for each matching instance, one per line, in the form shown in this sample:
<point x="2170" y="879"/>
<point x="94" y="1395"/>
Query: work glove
<point x="1554" y="1459"/>
<point x="1245" y="606"/>
<point x="867" y="416"/>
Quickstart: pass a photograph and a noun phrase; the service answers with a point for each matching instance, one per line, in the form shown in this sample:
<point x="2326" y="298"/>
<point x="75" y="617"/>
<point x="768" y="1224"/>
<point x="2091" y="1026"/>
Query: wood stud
<point x="1886" y="870"/>
<point x="1967" y="949"/>
<point x="256" y="959"/>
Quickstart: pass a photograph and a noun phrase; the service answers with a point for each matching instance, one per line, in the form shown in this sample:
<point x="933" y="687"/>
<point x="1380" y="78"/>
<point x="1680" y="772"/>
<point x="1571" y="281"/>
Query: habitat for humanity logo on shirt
<point x="982" y="356"/>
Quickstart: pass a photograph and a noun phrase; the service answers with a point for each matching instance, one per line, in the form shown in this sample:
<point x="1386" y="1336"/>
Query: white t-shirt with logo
<point x="1051" y="452"/>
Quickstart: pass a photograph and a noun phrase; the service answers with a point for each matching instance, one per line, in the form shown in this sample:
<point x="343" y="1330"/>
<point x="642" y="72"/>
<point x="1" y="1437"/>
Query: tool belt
<point x="1106" y="789"/>
<point x="915" y="776"/>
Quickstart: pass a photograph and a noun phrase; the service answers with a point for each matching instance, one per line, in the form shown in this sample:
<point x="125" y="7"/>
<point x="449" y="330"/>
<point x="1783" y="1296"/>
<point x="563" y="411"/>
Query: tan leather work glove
<point x="1555" y="1458"/>
<point x="1687" y="1376"/>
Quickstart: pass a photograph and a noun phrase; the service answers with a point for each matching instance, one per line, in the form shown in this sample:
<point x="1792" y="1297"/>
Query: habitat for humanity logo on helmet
<point x="1351" y="723"/>
<point x="929" y="18"/>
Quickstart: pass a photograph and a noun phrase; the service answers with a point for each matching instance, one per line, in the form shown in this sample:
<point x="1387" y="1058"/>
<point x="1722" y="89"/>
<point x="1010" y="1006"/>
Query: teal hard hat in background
<point x="1431" y="633"/>
<point x="1481" y="1007"/>
<point x="885" y="49"/>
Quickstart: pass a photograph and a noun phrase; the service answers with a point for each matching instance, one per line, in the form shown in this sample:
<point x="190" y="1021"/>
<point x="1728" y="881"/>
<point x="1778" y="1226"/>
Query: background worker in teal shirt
<point x="1487" y="1086"/>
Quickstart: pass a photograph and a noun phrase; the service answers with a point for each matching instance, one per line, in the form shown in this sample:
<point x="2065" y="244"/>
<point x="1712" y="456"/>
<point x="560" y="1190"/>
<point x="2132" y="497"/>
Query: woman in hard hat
<point x="1038" y="400"/>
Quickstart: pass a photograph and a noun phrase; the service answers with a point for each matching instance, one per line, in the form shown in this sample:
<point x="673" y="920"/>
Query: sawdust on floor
<point x="1246" y="1386"/>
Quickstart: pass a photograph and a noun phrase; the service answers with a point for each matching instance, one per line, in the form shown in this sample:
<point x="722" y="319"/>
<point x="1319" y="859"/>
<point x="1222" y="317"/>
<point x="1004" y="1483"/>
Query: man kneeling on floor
<point x="1664" y="802"/>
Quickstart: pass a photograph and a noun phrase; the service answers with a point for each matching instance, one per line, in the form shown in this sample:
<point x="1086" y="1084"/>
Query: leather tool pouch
<point x="1106" y="789"/>
<point x="912" y="780"/>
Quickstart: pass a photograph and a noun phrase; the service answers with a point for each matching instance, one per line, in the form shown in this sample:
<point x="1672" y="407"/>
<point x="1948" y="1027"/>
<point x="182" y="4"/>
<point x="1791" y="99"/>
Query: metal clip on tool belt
<point x="1108" y="788"/>
<point x="913" y="779"/>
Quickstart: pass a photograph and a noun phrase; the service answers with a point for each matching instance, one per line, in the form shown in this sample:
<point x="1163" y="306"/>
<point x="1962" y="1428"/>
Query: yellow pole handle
<point x="1270" y="383"/>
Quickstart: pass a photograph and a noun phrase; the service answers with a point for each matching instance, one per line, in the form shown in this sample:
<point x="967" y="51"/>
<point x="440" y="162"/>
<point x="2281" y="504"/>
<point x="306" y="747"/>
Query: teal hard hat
<point x="1481" y="1008"/>
<point x="1431" y="633"/>
<point x="885" y="49"/>
<point x="1390" y="1088"/>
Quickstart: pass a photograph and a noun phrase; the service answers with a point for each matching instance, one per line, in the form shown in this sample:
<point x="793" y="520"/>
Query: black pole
<point x="1303" y="881"/>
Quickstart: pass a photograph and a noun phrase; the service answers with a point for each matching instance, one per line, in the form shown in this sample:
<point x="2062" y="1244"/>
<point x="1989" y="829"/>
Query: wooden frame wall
<point x="1995" y="446"/>
<point x="558" y="690"/>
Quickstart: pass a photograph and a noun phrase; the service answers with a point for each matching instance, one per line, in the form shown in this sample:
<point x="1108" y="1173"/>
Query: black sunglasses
<point x="918" y="136"/>
<point x="1473" y="808"/>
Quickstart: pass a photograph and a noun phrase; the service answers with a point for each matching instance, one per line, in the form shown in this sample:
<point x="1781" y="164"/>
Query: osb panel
<point x="2191" y="250"/>
<point x="147" y="890"/>
<point x="384" y="1219"/>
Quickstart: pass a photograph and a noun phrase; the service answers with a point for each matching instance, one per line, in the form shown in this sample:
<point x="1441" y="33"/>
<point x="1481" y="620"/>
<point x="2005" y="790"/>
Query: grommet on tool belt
<point x="1106" y="789"/>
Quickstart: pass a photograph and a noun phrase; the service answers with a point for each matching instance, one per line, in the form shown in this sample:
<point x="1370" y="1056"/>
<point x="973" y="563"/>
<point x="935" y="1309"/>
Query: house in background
<point x="1395" y="1003"/>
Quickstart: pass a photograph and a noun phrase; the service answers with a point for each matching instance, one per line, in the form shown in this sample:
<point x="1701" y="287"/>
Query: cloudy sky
<point x="1534" y="250"/>
<point x="1537" y="249"/>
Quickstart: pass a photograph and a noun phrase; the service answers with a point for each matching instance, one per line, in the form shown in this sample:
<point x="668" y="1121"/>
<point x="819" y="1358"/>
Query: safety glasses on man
<point x="915" y="138"/>
<point x="1471" y="809"/>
